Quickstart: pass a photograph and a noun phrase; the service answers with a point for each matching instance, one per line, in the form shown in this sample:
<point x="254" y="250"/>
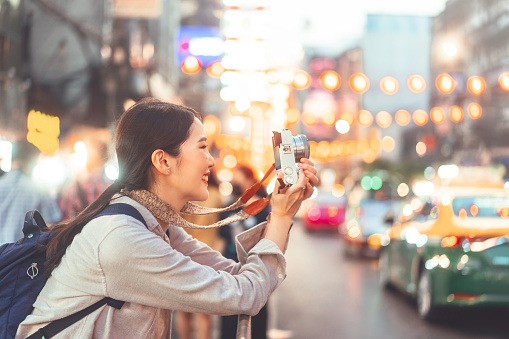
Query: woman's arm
<point x="140" y="267"/>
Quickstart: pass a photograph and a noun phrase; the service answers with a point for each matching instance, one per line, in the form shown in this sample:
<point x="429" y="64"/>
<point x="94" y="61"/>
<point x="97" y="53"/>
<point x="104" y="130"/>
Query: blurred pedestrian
<point x="20" y="194"/>
<point x="164" y="164"/>
<point x="200" y="323"/>
<point x="86" y="186"/>
<point x="243" y="178"/>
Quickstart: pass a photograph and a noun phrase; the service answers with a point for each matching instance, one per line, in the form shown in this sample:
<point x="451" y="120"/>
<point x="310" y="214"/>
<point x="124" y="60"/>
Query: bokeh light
<point x="416" y="83"/>
<point x="301" y="80"/>
<point x="403" y="190"/>
<point x="292" y="115"/>
<point x="388" y="144"/>
<point x="342" y="126"/>
<point x="329" y="118"/>
<point x="338" y="190"/>
<point x="474" y="110"/>
<point x="389" y="85"/>
<point x="402" y="117"/>
<point x="476" y="85"/>
<point x="456" y="113"/>
<point x="359" y="83"/>
<point x="330" y="80"/>
<point x="437" y="115"/>
<point x="365" y="118"/>
<point x="445" y="83"/>
<point x="309" y="118"/>
<point x="503" y="81"/>
<point x="383" y="119"/>
<point x="420" y="117"/>
<point x="215" y="70"/>
<point x="191" y="65"/>
<point x="420" y="148"/>
<point x="348" y="117"/>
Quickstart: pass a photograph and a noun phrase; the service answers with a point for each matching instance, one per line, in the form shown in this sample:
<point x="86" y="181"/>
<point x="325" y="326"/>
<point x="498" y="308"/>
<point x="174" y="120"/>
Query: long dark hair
<point x="148" y="125"/>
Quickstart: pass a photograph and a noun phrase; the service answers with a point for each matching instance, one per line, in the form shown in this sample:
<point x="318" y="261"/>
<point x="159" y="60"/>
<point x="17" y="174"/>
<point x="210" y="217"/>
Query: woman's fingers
<point x="279" y="188"/>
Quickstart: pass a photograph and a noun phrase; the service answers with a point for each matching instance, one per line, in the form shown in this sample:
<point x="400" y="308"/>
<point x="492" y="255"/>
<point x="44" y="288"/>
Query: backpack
<point x="22" y="275"/>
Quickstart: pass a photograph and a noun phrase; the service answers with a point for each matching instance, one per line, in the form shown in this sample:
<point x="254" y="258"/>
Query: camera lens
<point x="300" y="147"/>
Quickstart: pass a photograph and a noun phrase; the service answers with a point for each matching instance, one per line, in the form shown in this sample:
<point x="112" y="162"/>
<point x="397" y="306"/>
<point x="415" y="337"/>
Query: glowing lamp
<point x="383" y="119"/>
<point x="365" y="118"/>
<point x="503" y="81"/>
<point x="329" y="119"/>
<point x="476" y="85"/>
<point x="402" y="117"/>
<point x="389" y="85"/>
<point x="301" y="80"/>
<point x="456" y="113"/>
<point x="445" y="83"/>
<point x="348" y="117"/>
<point x="474" y="110"/>
<point x="215" y="70"/>
<point x="292" y="115"/>
<point x="388" y="144"/>
<point x="309" y="118"/>
<point x="359" y="83"/>
<point x="437" y="115"/>
<point x="191" y="65"/>
<point x="420" y="117"/>
<point x="330" y="80"/>
<point x="416" y="83"/>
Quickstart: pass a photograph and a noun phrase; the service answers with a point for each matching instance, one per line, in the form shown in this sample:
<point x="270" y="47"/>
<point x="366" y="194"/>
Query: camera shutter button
<point x="288" y="170"/>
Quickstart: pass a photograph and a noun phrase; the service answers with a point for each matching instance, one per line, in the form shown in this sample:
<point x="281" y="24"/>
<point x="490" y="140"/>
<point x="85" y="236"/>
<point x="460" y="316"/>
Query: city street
<point x="327" y="296"/>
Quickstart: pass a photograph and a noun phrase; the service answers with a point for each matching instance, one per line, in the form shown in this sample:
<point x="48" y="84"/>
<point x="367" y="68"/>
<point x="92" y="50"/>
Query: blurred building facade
<point x="13" y="55"/>
<point x="81" y="61"/>
<point x="471" y="38"/>
<point x="396" y="46"/>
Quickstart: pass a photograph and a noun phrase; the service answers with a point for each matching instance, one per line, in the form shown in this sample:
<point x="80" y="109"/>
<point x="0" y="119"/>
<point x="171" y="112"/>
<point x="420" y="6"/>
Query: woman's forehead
<point x="197" y="131"/>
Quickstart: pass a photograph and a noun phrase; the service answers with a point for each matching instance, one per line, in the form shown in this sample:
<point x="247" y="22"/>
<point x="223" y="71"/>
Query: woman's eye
<point x="205" y="146"/>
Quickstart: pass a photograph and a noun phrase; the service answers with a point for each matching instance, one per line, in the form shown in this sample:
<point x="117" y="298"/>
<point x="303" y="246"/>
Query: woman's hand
<point x="285" y="202"/>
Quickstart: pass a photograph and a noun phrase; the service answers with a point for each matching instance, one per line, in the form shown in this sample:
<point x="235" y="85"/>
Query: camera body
<point x="288" y="150"/>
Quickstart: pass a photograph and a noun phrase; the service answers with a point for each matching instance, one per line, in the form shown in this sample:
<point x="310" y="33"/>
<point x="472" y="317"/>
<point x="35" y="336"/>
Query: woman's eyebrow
<point x="202" y="139"/>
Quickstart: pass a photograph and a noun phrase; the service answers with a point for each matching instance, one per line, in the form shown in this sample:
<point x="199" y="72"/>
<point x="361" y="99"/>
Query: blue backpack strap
<point x="122" y="208"/>
<point x="58" y="325"/>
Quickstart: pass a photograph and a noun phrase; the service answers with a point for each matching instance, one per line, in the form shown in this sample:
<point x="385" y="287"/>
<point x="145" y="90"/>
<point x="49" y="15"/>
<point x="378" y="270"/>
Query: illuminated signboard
<point x="43" y="131"/>
<point x="203" y="42"/>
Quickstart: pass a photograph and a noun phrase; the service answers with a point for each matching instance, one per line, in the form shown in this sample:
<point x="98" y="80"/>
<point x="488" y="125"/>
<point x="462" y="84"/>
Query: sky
<point x="332" y="26"/>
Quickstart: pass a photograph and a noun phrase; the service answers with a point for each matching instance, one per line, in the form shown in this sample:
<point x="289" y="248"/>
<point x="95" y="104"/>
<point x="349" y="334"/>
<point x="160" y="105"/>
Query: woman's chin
<point x="203" y="196"/>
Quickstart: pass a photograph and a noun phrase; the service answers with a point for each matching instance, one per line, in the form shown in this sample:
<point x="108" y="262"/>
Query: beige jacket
<point x="116" y="256"/>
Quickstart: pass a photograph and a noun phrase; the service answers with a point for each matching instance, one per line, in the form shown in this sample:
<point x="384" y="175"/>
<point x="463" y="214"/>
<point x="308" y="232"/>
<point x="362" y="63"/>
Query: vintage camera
<point x="288" y="150"/>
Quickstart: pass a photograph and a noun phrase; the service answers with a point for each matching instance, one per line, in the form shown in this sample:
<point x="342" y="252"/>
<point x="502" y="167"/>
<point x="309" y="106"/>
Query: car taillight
<point x="314" y="214"/>
<point x="332" y="211"/>
<point x="354" y="231"/>
<point x="452" y="241"/>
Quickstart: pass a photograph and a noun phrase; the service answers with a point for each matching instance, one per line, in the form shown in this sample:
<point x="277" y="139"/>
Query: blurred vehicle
<point x="368" y="212"/>
<point x="326" y="212"/>
<point x="450" y="249"/>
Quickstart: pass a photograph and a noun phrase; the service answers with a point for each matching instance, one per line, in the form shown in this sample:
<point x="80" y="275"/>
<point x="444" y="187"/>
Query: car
<point x="324" y="213"/>
<point x="450" y="248"/>
<point x="368" y="212"/>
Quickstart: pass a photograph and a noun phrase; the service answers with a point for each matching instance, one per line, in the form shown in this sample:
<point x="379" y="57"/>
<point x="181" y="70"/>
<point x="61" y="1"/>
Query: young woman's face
<point x="193" y="165"/>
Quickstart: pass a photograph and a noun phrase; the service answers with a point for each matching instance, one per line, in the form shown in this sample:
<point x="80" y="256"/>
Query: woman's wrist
<point x="280" y="220"/>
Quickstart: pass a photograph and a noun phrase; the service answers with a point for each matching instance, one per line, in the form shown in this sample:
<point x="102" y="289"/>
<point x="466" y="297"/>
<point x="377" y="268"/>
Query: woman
<point x="162" y="153"/>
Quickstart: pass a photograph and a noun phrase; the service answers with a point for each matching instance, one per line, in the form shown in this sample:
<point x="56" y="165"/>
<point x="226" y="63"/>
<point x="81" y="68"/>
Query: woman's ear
<point x="161" y="161"/>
